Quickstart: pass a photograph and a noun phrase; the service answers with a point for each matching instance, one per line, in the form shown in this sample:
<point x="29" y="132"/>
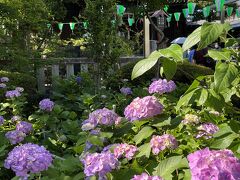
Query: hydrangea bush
<point x="152" y="133"/>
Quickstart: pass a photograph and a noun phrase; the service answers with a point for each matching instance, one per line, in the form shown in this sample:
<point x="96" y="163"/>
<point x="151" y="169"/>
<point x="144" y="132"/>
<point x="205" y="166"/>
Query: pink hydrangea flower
<point x="207" y="130"/>
<point x="125" y="150"/>
<point x="160" y="143"/>
<point x="143" y="108"/>
<point x="99" y="164"/>
<point x="100" y="117"/>
<point x="162" y="86"/>
<point x="214" y="165"/>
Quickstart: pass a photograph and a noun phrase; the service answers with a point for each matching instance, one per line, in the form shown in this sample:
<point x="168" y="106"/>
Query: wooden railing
<point x="69" y="63"/>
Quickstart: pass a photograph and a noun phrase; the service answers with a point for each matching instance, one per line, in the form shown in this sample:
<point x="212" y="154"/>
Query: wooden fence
<point x="69" y="64"/>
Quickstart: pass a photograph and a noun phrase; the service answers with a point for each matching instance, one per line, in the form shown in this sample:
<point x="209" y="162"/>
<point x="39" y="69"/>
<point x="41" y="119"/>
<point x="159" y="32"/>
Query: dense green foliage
<point x="185" y="73"/>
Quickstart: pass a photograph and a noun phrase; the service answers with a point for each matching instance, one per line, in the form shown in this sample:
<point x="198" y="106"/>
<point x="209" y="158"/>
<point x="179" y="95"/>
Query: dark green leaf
<point x="203" y="97"/>
<point x="95" y="140"/>
<point x="195" y="84"/>
<point x="146" y="132"/>
<point x="224" y="75"/>
<point x="167" y="166"/>
<point x="144" y="150"/>
<point x="224" y="142"/>
<point x="169" y="68"/>
<point x="184" y="100"/>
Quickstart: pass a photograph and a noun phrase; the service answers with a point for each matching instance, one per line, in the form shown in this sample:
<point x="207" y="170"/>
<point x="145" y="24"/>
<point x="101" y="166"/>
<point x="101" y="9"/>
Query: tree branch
<point x="156" y="28"/>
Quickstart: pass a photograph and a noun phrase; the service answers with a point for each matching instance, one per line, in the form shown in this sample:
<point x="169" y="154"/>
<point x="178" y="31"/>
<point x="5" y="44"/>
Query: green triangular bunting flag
<point x="72" y="26"/>
<point x="229" y="11"/>
<point x="177" y="16"/>
<point x="130" y="21"/>
<point x="120" y="10"/>
<point x="85" y="24"/>
<point x="166" y="7"/>
<point x="185" y="12"/>
<point x="219" y="4"/>
<point x="206" y="11"/>
<point x="238" y="13"/>
<point x="60" y="26"/>
<point x="191" y="7"/>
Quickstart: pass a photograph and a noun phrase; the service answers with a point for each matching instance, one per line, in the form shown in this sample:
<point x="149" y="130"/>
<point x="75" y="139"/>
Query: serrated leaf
<point x="95" y="140"/>
<point x="144" y="65"/>
<point x="192" y="39"/>
<point x="228" y="93"/>
<point x="223" y="143"/>
<point x="174" y="51"/>
<point x="219" y="55"/>
<point x="169" y="68"/>
<point x="210" y="32"/>
<point x="184" y="100"/>
<point x="224" y="75"/>
<point x="195" y="84"/>
<point x="167" y="166"/>
<point x="144" y="150"/>
<point x="143" y="134"/>
<point x="187" y="174"/>
<point x="106" y="134"/>
<point x="203" y="97"/>
<point x="223" y="129"/>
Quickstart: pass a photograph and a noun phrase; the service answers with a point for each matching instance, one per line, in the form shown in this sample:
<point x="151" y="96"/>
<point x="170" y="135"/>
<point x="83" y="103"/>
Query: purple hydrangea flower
<point x="12" y="94"/>
<point x="143" y="108"/>
<point x="126" y="90"/>
<point x="206" y="130"/>
<point x="78" y="80"/>
<point x="96" y="131"/>
<point x="191" y="119"/>
<point x="99" y="164"/>
<point x="46" y="105"/>
<point x="160" y="143"/>
<point x="88" y="146"/>
<point x="15" y="136"/>
<point x="15" y="118"/>
<point x="145" y="176"/>
<point x="2" y="85"/>
<point x="100" y="117"/>
<point x="20" y="89"/>
<point x="1" y="120"/>
<point x="214" y="165"/>
<point x="4" y="79"/>
<point x="110" y="148"/>
<point x="125" y="150"/>
<point x="28" y="158"/>
<point x="24" y="126"/>
<point x="162" y="86"/>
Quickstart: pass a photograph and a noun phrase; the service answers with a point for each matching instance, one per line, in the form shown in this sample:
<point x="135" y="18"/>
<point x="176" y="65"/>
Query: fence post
<point x="70" y="70"/>
<point x="55" y="74"/>
<point x="41" y="80"/>
<point x="146" y="37"/>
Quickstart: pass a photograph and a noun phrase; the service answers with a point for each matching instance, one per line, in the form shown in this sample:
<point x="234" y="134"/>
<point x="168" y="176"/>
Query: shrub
<point x="191" y="71"/>
<point x="27" y="81"/>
